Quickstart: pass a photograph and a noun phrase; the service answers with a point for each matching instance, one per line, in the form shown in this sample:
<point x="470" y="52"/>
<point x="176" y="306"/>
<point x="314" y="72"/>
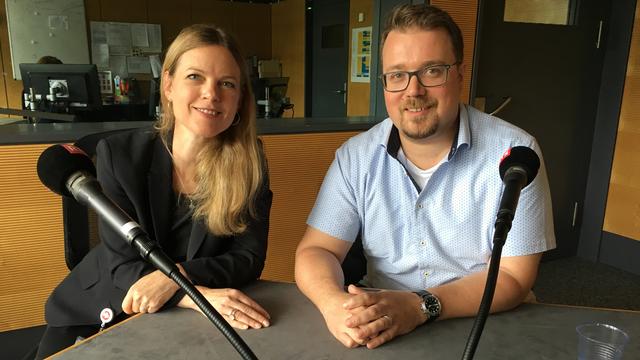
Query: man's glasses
<point x="430" y="76"/>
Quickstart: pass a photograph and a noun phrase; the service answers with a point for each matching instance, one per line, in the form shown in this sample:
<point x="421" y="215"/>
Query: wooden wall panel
<point x="252" y="29"/>
<point x="287" y="45"/>
<point x="4" y="47"/>
<point x="622" y="214"/>
<point x="124" y="10"/>
<point x="215" y="12"/>
<point x="31" y="239"/>
<point x="297" y="165"/>
<point x="13" y="92"/>
<point x="465" y="14"/>
<point x="92" y="11"/>
<point x="358" y="94"/>
<point x="171" y="15"/>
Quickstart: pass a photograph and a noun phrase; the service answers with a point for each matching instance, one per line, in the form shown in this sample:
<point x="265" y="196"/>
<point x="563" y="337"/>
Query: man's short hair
<point x="424" y="17"/>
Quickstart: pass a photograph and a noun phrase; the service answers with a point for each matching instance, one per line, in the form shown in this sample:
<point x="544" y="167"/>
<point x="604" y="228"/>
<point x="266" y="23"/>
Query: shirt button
<point x="423" y="243"/>
<point x="419" y="206"/>
<point x="426" y="274"/>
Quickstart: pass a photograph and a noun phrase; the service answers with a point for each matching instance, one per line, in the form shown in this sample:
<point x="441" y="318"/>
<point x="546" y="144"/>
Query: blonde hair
<point x="230" y="168"/>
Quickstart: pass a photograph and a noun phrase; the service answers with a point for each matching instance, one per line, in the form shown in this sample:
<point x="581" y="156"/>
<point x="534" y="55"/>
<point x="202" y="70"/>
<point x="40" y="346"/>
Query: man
<point x="422" y="189"/>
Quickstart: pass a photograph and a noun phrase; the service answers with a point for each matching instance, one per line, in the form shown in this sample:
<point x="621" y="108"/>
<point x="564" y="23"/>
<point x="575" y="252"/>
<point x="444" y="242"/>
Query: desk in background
<point x="532" y="331"/>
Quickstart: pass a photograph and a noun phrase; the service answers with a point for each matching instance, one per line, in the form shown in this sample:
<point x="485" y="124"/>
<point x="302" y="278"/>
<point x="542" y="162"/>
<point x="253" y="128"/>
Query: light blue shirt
<point x="420" y="239"/>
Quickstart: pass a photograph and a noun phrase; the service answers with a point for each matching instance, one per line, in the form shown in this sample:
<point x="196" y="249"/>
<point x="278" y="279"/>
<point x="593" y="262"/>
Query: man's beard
<point x="427" y="125"/>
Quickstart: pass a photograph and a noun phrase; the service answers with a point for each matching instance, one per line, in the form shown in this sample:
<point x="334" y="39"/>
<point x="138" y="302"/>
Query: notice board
<point x="46" y="27"/>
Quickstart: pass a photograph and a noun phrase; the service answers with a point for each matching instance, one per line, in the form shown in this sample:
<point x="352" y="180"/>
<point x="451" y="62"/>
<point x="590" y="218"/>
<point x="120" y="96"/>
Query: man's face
<point x="420" y="112"/>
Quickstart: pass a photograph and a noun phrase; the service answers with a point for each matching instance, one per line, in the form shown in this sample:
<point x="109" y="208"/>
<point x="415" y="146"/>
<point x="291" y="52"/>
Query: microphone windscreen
<point x="58" y="162"/>
<point x="521" y="156"/>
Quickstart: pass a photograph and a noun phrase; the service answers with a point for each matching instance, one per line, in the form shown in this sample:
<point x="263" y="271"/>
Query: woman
<point x="197" y="183"/>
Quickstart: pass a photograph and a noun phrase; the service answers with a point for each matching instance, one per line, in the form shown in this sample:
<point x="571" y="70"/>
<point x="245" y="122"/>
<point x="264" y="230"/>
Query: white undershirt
<point x="421" y="177"/>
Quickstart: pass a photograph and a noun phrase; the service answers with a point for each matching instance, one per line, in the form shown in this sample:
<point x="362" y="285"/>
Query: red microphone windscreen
<point x="58" y="162"/>
<point x="521" y="156"/>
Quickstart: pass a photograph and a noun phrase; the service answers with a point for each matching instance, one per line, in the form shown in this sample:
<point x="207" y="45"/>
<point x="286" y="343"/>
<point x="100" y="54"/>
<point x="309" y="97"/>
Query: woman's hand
<point x="149" y="293"/>
<point x="238" y="309"/>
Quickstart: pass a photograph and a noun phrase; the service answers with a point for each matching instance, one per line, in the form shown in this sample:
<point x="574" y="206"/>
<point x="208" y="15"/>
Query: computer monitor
<point x="75" y="85"/>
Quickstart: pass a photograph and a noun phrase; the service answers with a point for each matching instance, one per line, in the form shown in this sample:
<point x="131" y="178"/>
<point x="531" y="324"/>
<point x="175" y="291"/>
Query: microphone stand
<point x="150" y="251"/>
<point x="514" y="182"/>
<point x="499" y="238"/>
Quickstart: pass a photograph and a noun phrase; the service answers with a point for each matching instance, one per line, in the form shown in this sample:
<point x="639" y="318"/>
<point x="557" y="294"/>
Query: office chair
<point x="80" y="223"/>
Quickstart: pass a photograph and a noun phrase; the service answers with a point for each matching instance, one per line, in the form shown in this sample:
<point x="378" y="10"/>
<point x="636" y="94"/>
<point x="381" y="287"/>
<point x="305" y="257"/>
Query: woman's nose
<point x="211" y="91"/>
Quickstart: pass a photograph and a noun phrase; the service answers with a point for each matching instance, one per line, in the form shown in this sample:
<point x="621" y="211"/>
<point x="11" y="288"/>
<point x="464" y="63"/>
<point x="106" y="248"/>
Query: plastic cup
<point x="600" y="341"/>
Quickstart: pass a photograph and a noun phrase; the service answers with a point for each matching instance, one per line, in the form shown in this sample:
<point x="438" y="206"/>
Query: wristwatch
<point x="430" y="305"/>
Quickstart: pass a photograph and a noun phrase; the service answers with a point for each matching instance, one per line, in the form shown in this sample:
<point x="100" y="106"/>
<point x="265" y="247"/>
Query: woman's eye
<point x="193" y="76"/>
<point x="229" y="84"/>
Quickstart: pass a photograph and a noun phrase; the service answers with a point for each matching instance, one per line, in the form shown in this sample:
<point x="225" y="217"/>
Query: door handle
<point x="505" y="102"/>
<point x="341" y="91"/>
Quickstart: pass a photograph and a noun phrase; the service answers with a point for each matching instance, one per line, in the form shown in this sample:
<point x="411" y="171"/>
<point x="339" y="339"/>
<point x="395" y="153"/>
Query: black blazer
<point x="135" y="171"/>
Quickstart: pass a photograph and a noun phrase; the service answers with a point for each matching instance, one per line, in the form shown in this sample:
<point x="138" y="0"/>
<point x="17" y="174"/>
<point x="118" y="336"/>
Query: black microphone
<point x="518" y="167"/>
<point x="68" y="171"/>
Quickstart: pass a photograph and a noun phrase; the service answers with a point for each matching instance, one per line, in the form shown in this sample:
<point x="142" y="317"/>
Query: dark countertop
<point x="20" y="133"/>
<point x="298" y="331"/>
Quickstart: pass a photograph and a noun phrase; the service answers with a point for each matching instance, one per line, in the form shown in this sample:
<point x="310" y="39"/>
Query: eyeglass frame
<point x="415" y="73"/>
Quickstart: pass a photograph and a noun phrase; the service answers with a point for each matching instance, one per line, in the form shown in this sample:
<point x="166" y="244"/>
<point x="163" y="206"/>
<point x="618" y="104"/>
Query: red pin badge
<point x="106" y="315"/>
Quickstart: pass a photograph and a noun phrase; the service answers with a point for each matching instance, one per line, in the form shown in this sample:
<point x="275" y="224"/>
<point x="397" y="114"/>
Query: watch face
<point x="432" y="304"/>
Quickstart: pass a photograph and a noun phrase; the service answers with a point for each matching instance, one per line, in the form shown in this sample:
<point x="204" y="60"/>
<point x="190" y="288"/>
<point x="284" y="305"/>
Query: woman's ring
<point x="232" y="314"/>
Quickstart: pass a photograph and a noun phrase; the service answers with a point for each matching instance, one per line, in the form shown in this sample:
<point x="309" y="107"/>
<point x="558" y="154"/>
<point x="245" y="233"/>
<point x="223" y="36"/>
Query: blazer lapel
<point x="198" y="234"/>
<point x="160" y="190"/>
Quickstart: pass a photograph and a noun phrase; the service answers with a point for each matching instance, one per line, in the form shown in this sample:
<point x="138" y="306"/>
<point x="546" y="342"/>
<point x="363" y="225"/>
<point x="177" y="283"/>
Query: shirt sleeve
<point x="336" y="210"/>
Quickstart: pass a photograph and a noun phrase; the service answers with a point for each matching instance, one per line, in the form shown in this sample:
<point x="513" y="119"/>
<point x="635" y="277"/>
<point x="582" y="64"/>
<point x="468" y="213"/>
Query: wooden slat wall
<point x="31" y="247"/>
<point x="297" y="165"/>
<point x="464" y="13"/>
<point x="31" y="234"/>
<point x="622" y="214"/>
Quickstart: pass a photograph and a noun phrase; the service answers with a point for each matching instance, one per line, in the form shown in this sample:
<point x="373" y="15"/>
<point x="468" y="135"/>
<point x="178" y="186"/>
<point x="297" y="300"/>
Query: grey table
<point x="532" y="331"/>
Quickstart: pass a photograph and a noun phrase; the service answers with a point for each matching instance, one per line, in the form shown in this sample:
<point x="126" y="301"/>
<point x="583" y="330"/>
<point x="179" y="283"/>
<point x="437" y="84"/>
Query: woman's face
<point x="204" y="91"/>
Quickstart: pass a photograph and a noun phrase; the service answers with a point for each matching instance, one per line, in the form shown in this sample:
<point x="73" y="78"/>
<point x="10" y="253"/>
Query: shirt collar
<point x="462" y="137"/>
